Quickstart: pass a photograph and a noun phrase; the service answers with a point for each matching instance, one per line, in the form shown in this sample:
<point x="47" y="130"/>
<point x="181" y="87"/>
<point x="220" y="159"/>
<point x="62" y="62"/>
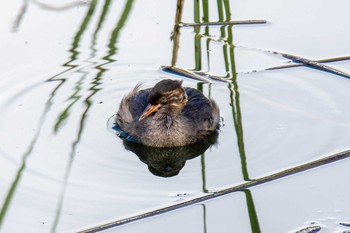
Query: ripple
<point x="62" y="169"/>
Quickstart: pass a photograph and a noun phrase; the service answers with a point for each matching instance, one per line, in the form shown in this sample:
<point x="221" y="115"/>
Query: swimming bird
<point x="167" y="115"/>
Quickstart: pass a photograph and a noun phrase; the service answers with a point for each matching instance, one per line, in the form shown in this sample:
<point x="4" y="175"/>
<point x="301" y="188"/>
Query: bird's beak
<point x="149" y="110"/>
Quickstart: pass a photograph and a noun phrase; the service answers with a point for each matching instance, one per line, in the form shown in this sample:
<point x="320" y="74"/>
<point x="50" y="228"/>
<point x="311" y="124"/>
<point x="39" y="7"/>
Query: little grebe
<point x="167" y="115"/>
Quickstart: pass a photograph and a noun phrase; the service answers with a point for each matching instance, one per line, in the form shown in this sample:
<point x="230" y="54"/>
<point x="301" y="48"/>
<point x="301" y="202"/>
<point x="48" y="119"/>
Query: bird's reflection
<point x="167" y="162"/>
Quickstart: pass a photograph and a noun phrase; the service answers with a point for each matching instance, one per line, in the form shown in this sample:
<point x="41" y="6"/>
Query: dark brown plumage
<point x="167" y="115"/>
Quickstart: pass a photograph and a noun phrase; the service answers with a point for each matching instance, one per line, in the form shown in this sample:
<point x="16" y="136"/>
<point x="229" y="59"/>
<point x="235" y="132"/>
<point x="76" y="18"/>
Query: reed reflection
<point x="202" y="68"/>
<point x="168" y="162"/>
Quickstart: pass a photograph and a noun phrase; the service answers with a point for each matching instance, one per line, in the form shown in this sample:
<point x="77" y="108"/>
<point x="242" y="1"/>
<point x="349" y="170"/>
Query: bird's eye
<point x="163" y="100"/>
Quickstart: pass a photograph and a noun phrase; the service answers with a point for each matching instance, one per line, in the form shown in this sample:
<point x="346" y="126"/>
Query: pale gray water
<point x="66" y="65"/>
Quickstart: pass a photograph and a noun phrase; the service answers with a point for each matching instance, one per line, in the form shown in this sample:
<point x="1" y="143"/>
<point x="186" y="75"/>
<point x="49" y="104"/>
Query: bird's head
<point x="166" y="92"/>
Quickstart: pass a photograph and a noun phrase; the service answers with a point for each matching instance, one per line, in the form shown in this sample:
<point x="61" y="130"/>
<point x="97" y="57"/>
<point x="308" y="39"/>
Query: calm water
<point x="65" y="66"/>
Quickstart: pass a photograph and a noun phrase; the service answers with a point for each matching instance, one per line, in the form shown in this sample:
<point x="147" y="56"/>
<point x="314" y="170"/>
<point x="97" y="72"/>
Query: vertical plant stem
<point x="227" y="9"/>
<point x="197" y="37"/>
<point x="205" y="6"/>
<point x="176" y="32"/>
<point x="205" y="19"/>
<point x="196" y="13"/>
<point x="198" y="51"/>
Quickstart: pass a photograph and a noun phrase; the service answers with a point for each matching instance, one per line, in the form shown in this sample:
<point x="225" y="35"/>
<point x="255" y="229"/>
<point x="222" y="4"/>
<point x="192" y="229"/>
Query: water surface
<point x="66" y="65"/>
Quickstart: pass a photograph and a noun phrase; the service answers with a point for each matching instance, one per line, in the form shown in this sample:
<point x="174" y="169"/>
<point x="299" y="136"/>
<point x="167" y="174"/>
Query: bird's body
<point x="167" y="115"/>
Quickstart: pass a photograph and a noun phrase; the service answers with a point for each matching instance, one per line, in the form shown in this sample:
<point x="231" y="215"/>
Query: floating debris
<point x="313" y="64"/>
<point x="182" y="72"/>
<point x="240" y="187"/>
<point x="214" y="77"/>
<point x="345" y="224"/>
<point x="310" y="229"/>
<point x="238" y="22"/>
<point x="304" y="61"/>
<point x="319" y="61"/>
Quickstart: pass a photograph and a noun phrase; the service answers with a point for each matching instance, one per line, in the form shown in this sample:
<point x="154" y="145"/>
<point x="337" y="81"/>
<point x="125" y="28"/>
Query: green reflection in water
<point x="10" y="194"/>
<point x="204" y="180"/>
<point x="20" y="16"/>
<point x="253" y="217"/>
<point x="238" y="123"/>
<point x="15" y="183"/>
<point x="176" y="45"/>
<point x="28" y="152"/>
<point x="237" y="119"/>
<point x="102" y="19"/>
<point x="74" y="57"/>
<point x="204" y="218"/>
<point x="25" y="6"/>
<point x="230" y="67"/>
<point x="93" y="89"/>
<point x="229" y="57"/>
<point x="74" y="97"/>
<point x="76" y="41"/>
<point x="116" y="31"/>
